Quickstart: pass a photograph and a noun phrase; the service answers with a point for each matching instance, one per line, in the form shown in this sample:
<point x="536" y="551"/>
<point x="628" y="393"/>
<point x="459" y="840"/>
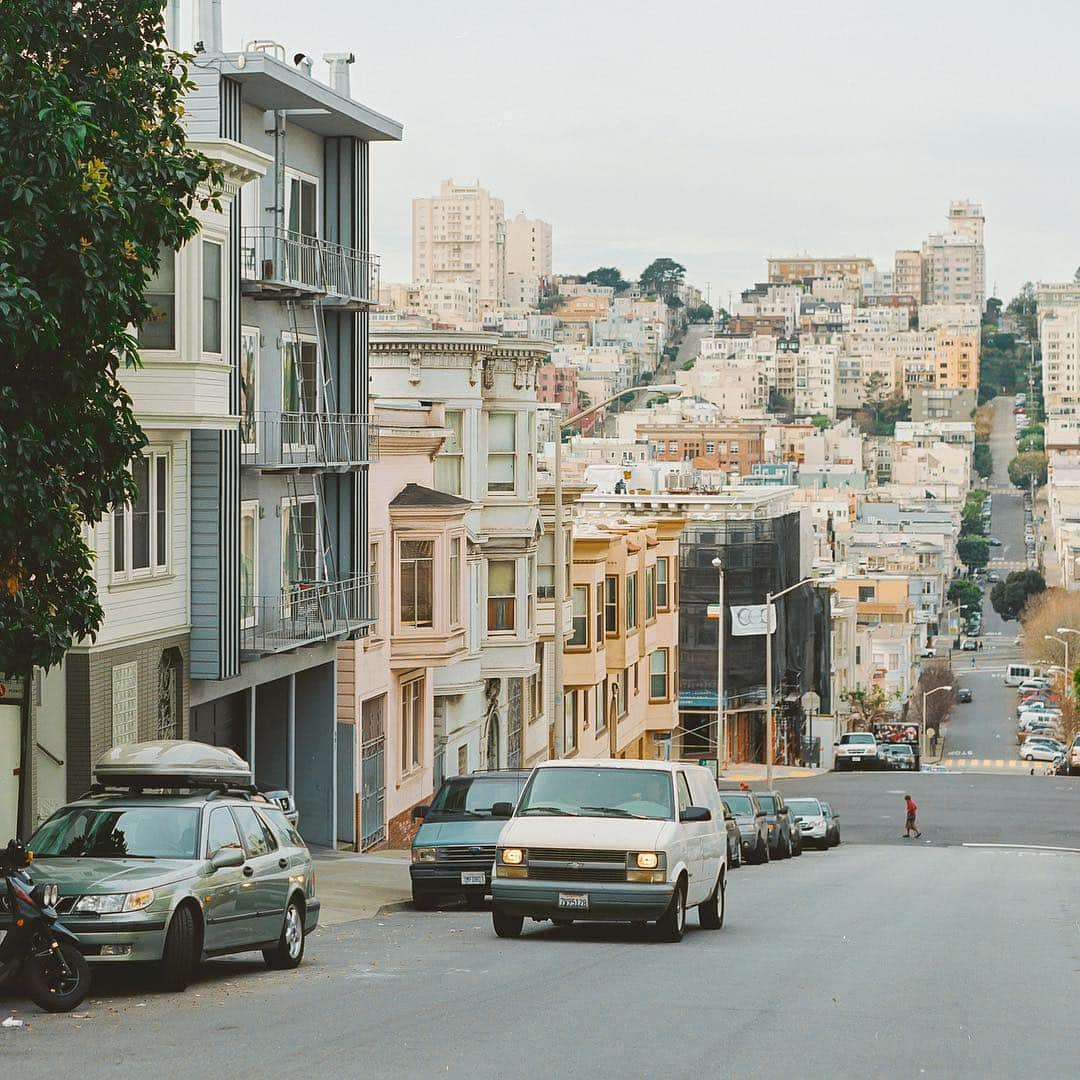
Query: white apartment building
<point x="907" y="274"/>
<point x="965" y="317"/>
<point x="1059" y="338"/>
<point x="815" y="380"/>
<point x="528" y="247"/>
<point x="954" y="261"/>
<point x="460" y="235"/>
<point x="522" y="291"/>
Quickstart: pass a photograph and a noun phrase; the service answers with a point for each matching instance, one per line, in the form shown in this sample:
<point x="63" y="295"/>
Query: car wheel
<point x="738" y="856"/>
<point x="1030" y="757"/>
<point x="671" y="925"/>
<point x="797" y="851"/>
<point x="766" y="853"/>
<point x="507" y="926"/>
<point x="178" y="957"/>
<point x="711" y="913"/>
<point x="783" y="851"/>
<point x="424" y="901"/>
<point x="289" y="950"/>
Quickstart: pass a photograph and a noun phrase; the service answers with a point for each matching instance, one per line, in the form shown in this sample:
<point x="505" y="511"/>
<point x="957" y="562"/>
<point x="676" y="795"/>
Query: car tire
<point x="424" y="901"/>
<point x="506" y="925"/>
<point x="711" y="913"/>
<point x="1030" y="757"/>
<point x="672" y="924"/>
<point x="289" y="951"/>
<point x="797" y="850"/>
<point x="178" y="957"/>
<point x="766" y="854"/>
<point x="783" y="851"/>
<point x="738" y="855"/>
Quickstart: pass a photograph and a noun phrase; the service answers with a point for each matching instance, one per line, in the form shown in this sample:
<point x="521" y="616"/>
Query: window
<point x="141" y="529"/>
<point x="449" y="463"/>
<point x="570" y="721"/>
<point x="538" y="687"/>
<point x="249" y="386"/>
<point x="258" y="840"/>
<point x="416" y="560"/>
<point x="159" y="330"/>
<point x="650" y="593"/>
<point x="622" y="698"/>
<point x="211" y="296"/>
<point x="222" y="833"/>
<point x="611" y="604"/>
<point x="502" y="595"/>
<point x="599" y="614"/>
<point x="658" y="675"/>
<point x="249" y="561"/>
<point x="463" y="759"/>
<point x="545" y="575"/>
<point x="455" y="581"/>
<point x="663" y="601"/>
<point x="302" y="206"/>
<point x="374" y="556"/>
<point x="300" y="386"/>
<point x="631" y="601"/>
<point x="502" y="447"/>
<point x="412" y="718"/>
<point x="683" y="789"/>
<point x="125" y="703"/>
<point x="710" y="448"/>
<point x="866" y="593"/>
<point x="579" y="637"/>
<point x="299" y="551"/>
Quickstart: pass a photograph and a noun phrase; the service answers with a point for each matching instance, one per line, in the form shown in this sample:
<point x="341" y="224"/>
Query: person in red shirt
<point x="909" y="822"/>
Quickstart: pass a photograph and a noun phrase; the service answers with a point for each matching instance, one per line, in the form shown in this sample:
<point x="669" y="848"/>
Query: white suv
<point x="599" y="840"/>
<point x="856" y="749"/>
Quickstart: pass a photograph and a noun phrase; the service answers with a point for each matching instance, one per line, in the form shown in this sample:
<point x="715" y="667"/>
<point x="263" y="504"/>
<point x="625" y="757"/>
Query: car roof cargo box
<point x="172" y="763"/>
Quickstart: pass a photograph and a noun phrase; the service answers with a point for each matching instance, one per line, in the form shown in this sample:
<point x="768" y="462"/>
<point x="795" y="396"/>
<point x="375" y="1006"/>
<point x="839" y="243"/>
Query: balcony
<point x="279" y="264"/>
<point x="302" y="440"/>
<point x="306" y="613"/>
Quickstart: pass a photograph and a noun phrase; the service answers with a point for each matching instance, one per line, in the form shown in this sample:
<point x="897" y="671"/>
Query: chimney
<point x="172" y="23"/>
<point x="208" y="25"/>
<point x="339" y="72"/>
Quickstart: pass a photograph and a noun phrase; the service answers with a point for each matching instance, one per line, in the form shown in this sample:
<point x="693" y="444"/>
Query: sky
<point x="718" y="133"/>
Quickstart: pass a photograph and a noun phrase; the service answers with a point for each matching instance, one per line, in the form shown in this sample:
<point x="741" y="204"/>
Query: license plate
<point x="473" y="877"/>
<point x="574" y="900"/>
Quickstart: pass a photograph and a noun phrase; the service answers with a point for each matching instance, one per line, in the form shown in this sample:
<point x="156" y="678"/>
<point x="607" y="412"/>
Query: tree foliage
<point x="1042" y="615"/>
<point x="973" y="551"/>
<point x="982" y="461"/>
<point x="971" y="515"/>
<point x="95" y="178"/>
<point x="938" y="705"/>
<point x="661" y="278"/>
<point x="700" y="313"/>
<point x="608" y="276"/>
<point x="966" y="593"/>
<point x="1009" y="597"/>
<point x="868" y="707"/>
<point x="1026" y="466"/>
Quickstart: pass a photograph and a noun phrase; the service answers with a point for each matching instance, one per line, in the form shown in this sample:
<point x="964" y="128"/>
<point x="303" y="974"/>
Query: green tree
<point x="982" y="461"/>
<point x="821" y="422"/>
<point x="1009" y="597"/>
<point x="661" y="278"/>
<point x="1022" y="308"/>
<point x="966" y="593"/>
<point x="700" y="313"/>
<point x="973" y="551"/>
<point x="1028" y="466"/>
<point x="608" y="276"/>
<point x="96" y="180"/>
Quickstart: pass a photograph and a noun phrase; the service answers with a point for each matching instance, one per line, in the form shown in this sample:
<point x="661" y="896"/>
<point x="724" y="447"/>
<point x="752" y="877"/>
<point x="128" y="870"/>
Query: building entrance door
<point x="373" y="772"/>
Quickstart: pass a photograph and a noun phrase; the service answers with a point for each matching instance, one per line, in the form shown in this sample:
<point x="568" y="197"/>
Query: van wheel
<point x="671" y="925"/>
<point x="506" y="926"/>
<point x="711" y="913"/>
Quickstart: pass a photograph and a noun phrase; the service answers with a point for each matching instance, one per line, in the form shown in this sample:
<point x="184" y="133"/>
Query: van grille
<point x="478" y="853"/>
<point x="578" y="855"/>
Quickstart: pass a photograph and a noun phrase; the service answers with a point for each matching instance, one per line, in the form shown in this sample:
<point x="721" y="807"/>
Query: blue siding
<point x="205" y="554"/>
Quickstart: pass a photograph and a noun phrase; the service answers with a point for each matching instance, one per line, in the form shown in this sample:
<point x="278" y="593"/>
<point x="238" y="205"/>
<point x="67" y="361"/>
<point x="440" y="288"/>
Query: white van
<point x="1015" y="674"/>
<point x="615" y="841"/>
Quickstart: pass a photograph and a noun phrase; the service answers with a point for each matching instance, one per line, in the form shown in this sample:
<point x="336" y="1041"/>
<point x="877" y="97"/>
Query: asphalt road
<point x="883" y="957"/>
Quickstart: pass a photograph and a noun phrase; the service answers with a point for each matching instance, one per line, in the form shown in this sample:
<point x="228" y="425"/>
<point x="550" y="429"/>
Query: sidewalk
<point x="360" y="886"/>
<point x="753" y="772"/>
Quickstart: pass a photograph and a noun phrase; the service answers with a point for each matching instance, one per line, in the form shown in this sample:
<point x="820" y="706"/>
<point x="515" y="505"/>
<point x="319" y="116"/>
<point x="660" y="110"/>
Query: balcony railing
<point x="279" y="261"/>
<point x="306" y="613"/>
<point x="303" y="440"/>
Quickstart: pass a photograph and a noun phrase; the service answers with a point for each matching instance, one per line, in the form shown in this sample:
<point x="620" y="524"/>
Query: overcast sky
<point x="718" y="133"/>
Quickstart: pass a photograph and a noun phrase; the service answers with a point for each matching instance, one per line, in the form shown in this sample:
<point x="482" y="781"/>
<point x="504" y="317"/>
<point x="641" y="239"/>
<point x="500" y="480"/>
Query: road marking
<point x="1026" y="847"/>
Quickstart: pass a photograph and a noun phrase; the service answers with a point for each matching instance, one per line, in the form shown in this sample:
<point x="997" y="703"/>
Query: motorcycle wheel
<point x="54" y="988"/>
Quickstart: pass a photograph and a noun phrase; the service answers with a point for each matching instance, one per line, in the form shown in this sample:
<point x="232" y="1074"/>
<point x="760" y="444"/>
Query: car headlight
<point x="647" y="860"/>
<point x="423" y="854"/>
<point x="512" y="856"/>
<point x="115" y="903"/>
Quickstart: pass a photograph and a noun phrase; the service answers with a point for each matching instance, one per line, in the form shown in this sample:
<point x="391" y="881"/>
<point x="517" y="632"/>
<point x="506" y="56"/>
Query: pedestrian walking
<point x="911" y="810"/>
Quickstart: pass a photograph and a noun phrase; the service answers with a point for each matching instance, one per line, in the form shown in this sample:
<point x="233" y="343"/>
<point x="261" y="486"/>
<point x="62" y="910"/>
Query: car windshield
<point x="805" y="807"/>
<point x="856" y="737"/>
<point x="768" y="803"/>
<point x="588" y="792"/>
<point x="739" y="804"/>
<point x="136" y="832"/>
<point x="473" y="797"/>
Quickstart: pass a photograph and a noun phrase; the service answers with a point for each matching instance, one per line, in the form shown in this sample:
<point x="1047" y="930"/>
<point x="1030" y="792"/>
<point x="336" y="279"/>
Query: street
<point x="881" y="957"/>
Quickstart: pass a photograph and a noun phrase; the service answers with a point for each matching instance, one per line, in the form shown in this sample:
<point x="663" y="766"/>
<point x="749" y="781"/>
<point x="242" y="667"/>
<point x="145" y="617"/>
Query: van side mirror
<point x="502" y="810"/>
<point x="420" y="812"/>
<point x="696" y="813"/>
<point x="227" y="857"/>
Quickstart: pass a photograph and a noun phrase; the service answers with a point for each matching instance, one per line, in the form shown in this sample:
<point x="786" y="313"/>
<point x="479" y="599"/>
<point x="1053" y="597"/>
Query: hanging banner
<point x="749" y="619"/>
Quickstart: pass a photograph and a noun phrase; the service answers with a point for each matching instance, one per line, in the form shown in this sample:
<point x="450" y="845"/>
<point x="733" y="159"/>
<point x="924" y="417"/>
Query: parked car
<point x="993" y="577"/>
<point x="1030" y="682"/>
<point x="612" y="840"/>
<point x="454" y="848"/>
<point x="856" y="749"/>
<point x="832" y="820"/>
<point x="994" y="541"/>
<point x="753" y="828"/>
<point x="812" y="823"/>
<point x="928" y="653"/>
<point x="970" y="645"/>
<point x="1042" y="708"/>
<point x="1023" y="675"/>
<point x="210" y="868"/>
<point x="782" y="829"/>
<point x="734" y="840"/>
<point x="963" y="694"/>
<point x="899" y="755"/>
<point x="1041" y="748"/>
<point x="1073" y="757"/>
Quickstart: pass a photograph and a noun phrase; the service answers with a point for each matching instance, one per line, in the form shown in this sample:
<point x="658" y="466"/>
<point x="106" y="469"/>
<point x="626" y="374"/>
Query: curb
<point x="394" y="905"/>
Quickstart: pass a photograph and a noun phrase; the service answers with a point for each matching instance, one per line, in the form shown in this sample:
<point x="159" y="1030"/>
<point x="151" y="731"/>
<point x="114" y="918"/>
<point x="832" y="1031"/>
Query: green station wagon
<point x="176" y="858"/>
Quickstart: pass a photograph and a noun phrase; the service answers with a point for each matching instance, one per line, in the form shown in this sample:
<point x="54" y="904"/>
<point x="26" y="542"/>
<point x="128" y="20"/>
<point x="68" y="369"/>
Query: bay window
<point x="449" y="464"/>
<point x="159" y="330"/>
<point x="611" y="605"/>
<point x="663" y="597"/>
<point x="658" y="675"/>
<point x="211" y="296"/>
<point x="502" y="453"/>
<point x="502" y="595"/>
<point x="140" y="536"/>
<point x="579" y="638"/>
<point x="631" y="602"/>
<point x="650" y="593"/>
<point x="455" y="581"/>
<point x="416" y="564"/>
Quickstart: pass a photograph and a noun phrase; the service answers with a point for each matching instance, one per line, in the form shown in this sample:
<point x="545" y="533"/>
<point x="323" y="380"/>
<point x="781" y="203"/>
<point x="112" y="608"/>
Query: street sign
<point x="713" y="611"/>
<point x="749" y="619"/>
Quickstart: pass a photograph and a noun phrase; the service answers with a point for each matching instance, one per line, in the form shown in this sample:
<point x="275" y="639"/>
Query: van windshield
<point x="857" y="737"/>
<point x="586" y="792"/>
<point x="473" y="796"/>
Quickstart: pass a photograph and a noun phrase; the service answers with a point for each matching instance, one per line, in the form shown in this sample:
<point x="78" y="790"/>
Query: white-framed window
<point x="302" y="203"/>
<point x="249" y="562"/>
<point x="125" y="703"/>
<point x="299" y="541"/>
<point x="611" y="605"/>
<point x="545" y="569"/>
<point x="248" y="370"/>
<point x="502" y="453"/>
<point x="140" y="532"/>
<point x="416" y="573"/>
<point x="299" y="379"/>
<point x="650" y="593"/>
<point x="212" y="308"/>
<point x="570" y="721"/>
<point x="631" y="602"/>
<point x="502" y="596"/>
<point x="375" y="612"/>
<point x="450" y="462"/>
<point x="456" y="578"/>
<point x="662" y="594"/>
<point x="412" y="724"/>
<point x="579" y="636"/>
<point x="658" y="675"/>
<point x="159" y="330"/>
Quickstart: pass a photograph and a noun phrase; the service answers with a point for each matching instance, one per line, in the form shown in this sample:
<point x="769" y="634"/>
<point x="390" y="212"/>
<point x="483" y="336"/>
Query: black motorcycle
<point x="56" y="973"/>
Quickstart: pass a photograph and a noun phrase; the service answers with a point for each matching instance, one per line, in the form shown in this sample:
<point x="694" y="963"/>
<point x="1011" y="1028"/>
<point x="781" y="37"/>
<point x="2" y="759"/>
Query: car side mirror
<point x="226" y="857"/>
<point x="836" y="744"/>
<point x="696" y="813"/>
<point x="502" y="810"/>
<point x="420" y="812"/>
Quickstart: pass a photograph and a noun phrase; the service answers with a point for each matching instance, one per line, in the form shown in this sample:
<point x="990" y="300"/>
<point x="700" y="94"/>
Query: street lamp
<point x="560" y="543"/>
<point x="721" y="717"/>
<point x="922" y="733"/>
<point x="1062" y="642"/>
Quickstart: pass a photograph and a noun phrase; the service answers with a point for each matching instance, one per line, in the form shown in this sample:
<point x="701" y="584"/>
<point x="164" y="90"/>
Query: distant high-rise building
<point x="528" y="246"/>
<point x="460" y="235"/>
<point x="907" y="275"/>
<point x="954" y="262"/>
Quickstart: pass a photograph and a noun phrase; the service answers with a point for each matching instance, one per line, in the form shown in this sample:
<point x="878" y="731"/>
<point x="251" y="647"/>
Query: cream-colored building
<point x="528" y="246"/>
<point x="460" y="235"/>
<point x="954" y="261"/>
<point x="956" y="358"/>
<point x="907" y="274"/>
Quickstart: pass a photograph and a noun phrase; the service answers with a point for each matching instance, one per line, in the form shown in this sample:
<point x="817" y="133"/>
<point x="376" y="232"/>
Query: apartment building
<point x="789" y="269"/>
<point x="956" y="358"/>
<point x="953" y="262"/>
<point x="460" y="235"/>
<point x="815" y="380"/>
<point x="1059" y="340"/>
<point x="557" y="384"/>
<point x="732" y="447"/>
<point x="528" y="247"/>
<point x="908" y="274"/>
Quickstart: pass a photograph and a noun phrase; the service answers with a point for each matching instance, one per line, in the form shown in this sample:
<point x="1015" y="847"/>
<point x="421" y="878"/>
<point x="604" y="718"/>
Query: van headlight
<point x="646" y="867"/>
<point x="423" y="854"/>
<point x="510" y="863"/>
<point x="115" y="903"/>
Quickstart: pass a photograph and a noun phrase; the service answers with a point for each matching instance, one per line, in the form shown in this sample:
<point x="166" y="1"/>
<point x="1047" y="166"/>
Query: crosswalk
<point x="992" y="764"/>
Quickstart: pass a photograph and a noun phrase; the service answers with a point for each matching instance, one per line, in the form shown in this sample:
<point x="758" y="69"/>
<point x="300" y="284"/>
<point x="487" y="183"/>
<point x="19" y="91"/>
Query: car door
<point x="265" y="882"/>
<point x="690" y="836"/>
<point x="783" y="819"/>
<point x="221" y="889"/>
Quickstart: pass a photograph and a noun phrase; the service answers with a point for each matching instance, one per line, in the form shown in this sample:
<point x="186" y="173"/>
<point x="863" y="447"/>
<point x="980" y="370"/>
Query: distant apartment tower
<point x="528" y="246"/>
<point x="460" y="235"/>
<point x="907" y="274"/>
<point x="801" y="267"/>
<point x="954" y="262"/>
